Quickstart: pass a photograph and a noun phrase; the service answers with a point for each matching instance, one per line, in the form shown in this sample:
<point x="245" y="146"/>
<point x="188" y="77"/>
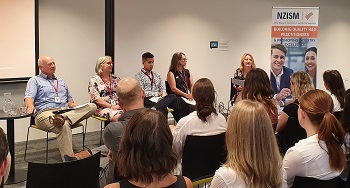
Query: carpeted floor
<point x="36" y="151"/>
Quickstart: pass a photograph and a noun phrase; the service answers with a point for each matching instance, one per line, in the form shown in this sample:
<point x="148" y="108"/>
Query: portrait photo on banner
<point x="294" y="36"/>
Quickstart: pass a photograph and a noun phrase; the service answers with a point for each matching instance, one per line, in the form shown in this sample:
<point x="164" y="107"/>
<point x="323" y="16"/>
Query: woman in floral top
<point x="102" y="89"/>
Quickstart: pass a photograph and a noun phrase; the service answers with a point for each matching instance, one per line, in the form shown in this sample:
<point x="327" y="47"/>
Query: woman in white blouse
<point x="205" y="121"/>
<point x="320" y="155"/>
<point x="253" y="158"/>
<point x="333" y="82"/>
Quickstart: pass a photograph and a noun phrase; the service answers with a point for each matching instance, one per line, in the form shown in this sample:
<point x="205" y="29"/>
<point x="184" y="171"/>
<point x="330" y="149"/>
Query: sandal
<point x="57" y="120"/>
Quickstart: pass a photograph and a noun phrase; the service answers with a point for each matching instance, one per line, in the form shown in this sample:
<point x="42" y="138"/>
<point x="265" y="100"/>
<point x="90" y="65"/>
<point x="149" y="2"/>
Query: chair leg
<point x="47" y="146"/>
<point x="25" y="151"/>
<point x="84" y="136"/>
<point x="101" y="124"/>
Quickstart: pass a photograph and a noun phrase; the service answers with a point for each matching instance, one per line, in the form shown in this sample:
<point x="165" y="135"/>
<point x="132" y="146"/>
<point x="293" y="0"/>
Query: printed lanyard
<point x="151" y="79"/>
<point x="56" y="88"/>
<point x="183" y="77"/>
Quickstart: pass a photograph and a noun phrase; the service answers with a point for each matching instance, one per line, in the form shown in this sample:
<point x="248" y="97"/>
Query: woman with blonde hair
<point x="247" y="63"/>
<point x="103" y="89"/>
<point x="300" y="83"/>
<point x="253" y="159"/>
<point x="320" y="155"/>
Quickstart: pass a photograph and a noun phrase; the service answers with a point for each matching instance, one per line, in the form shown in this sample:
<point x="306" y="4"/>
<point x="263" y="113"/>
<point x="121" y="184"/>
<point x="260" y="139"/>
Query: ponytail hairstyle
<point x="204" y="95"/>
<point x="318" y="106"/>
<point x="334" y="83"/>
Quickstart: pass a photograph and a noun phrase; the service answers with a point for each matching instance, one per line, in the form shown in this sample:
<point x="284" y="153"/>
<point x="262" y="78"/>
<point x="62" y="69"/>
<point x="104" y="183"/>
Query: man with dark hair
<point x="280" y="74"/>
<point x="153" y="85"/>
<point x="4" y="157"/>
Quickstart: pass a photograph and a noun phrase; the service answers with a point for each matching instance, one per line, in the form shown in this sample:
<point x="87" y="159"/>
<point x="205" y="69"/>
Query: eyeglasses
<point x="108" y="63"/>
<point x="184" y="59"/>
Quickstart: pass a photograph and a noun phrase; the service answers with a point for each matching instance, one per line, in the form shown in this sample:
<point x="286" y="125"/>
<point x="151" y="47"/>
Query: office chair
<point x="202" y="181"/>
<point x="307" y="182"/>
<point x="32" y="125"/>
<point x="80" y="173"/>
<point x="293" y="132"/>
<point x="203" y="155"/>
<point x="103" y="123"/>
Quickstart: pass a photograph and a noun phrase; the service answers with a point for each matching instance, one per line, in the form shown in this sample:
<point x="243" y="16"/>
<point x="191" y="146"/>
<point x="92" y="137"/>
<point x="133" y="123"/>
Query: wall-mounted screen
<point x="17" y="39"/>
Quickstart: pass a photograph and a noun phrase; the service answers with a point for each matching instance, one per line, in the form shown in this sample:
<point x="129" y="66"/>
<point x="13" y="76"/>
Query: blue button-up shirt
<point x="42" y="90"/>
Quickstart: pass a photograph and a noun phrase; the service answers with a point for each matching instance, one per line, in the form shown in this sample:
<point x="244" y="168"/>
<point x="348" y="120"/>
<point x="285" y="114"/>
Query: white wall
<point x="164" y="27"/>
<point x="73" y="33"/>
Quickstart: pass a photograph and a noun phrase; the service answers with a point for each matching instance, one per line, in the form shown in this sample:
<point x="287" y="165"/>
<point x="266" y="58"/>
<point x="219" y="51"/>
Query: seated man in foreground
<point x="45" y="94"/>
<point x="130" y="98"/>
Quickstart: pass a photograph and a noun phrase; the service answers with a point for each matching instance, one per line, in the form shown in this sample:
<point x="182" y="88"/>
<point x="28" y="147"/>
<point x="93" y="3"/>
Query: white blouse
<point x="308" y="158"/>
<point x="336" y="103"/>
<point x="192" y="125"/>
<point x="226" y="177"/>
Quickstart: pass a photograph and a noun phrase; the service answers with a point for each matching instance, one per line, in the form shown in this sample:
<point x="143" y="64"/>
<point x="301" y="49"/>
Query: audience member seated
<point x="180" y="82"/>
<point x="333" y="82"/>
<point x="257" y="87"/>
<point x="102" y="90"/>
<point x="288" y="124"/>
<point x="253" y="159"/>
<point x="247" y="63"/>
<point x="130" y="97"/>
<point x="145" y="156"/>
<point x="46" y="93"/>
<point x="5" y="158"/>
<point x="346" y="126"/>
<point x="153" y="85"/>
<point x="320" y="155"/>
<point x="205" y="121"/>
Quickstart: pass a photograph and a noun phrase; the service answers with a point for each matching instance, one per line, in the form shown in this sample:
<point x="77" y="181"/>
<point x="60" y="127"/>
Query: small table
<point x="19" y="175"/>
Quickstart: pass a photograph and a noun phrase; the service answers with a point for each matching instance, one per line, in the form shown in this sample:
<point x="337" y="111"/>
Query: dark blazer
<point x="285" y="79"/>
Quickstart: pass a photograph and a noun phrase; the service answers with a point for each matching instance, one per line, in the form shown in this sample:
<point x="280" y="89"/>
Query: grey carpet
<point x="36" y="151"/>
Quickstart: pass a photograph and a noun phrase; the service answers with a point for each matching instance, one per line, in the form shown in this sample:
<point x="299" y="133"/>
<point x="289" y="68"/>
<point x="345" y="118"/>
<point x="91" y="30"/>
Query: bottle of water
<point x="7" y="103"/>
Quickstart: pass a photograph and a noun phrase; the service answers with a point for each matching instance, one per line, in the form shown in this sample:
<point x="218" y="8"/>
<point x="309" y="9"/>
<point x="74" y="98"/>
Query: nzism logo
<point x="288" y="15"/>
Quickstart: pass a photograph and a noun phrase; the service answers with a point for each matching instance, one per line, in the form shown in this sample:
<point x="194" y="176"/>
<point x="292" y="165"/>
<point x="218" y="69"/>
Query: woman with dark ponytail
<point x="320" y="155"/>
<point x="333" y="82"/>
<point x="205" y="121"/>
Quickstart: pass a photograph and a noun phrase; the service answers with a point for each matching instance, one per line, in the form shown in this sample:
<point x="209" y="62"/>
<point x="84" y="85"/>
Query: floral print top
<point x="98" y="89"/>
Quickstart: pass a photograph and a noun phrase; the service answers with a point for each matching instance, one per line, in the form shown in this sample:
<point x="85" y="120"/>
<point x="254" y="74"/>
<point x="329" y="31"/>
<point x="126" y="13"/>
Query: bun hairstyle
<point x="204" y="95"/>
<point x="318" y="105"/>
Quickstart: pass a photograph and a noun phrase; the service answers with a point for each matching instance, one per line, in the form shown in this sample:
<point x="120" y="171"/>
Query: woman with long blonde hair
<point x="300" y="83"/>
<point x="253" y="158"/>
<point x="247" y="64"/>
